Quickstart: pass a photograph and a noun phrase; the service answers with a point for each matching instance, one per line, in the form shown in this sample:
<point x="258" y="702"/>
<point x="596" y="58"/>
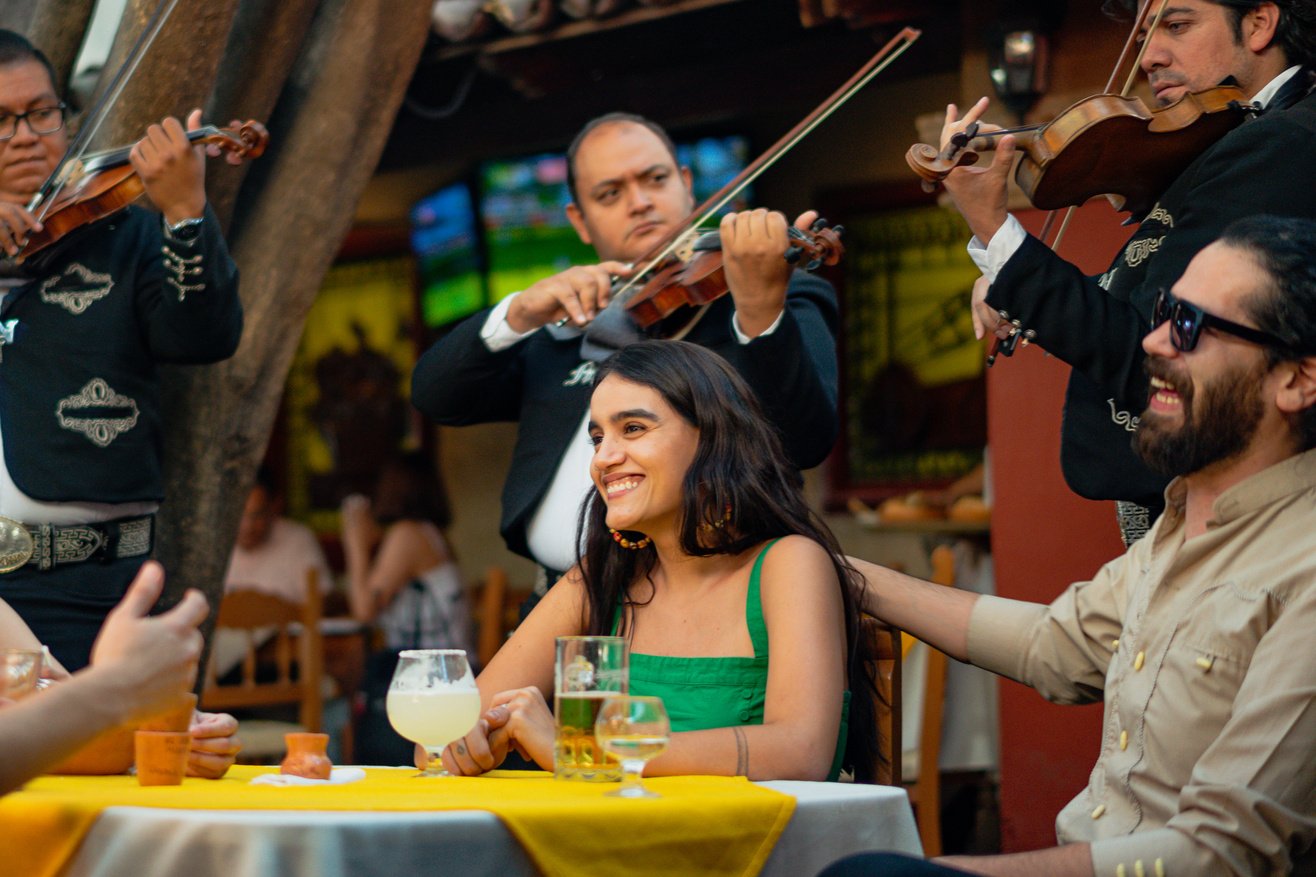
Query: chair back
<point x="296" y="646"/>
<point x="884" y="658"/>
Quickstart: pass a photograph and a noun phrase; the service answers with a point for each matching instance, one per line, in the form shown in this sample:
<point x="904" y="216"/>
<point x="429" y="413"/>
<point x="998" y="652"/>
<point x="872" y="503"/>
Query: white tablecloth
<point x="831" y="820"/>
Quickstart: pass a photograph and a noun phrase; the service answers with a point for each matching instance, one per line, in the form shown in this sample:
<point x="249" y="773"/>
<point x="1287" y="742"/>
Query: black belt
<point x="47" y="546"/>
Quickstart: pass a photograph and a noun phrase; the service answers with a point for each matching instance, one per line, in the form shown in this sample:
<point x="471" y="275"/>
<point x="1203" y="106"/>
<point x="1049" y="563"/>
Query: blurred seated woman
<point x="740" y="609"/>
<point x="402" y="577"/>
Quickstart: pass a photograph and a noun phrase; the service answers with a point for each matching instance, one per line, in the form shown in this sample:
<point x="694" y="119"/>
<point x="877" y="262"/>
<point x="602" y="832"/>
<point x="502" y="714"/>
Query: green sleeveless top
<point x="702" y="693"/>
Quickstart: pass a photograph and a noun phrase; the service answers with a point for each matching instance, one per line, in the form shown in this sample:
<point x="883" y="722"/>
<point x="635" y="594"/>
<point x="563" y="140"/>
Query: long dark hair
<point x="739" y="491"/>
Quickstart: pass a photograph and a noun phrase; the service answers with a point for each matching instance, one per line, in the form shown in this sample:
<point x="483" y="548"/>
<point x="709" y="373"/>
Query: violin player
<point x="1096" y="324"/>
<point x="84" y="325"/>
<point x="514" y="362"/>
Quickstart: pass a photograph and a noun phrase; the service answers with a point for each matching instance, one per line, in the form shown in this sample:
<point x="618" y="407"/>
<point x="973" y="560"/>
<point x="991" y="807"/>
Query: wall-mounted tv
<point x="445" y="239"/>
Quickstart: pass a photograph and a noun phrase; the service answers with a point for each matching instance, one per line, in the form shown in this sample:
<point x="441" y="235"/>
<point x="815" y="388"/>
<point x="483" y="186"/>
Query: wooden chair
<point x="497" y="611"/>
<point x="298" y="662"/>
<point x="885" y="666"/>
<point x="924" y="786"/>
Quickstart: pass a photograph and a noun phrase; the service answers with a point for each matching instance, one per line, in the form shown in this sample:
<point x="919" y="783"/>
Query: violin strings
<point x="49" y="191"/>
<point x="1142" y="50"/>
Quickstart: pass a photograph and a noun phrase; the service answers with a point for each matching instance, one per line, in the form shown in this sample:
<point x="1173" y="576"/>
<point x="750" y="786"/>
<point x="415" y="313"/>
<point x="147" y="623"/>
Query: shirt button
<point x="1120" y="870"/>
<point x="1115" y="644"/>
<point x="1138" y="660"/>
<point x="1159" y="867"/>
<point x="1205" y="663"/>
<point x="747" y="694"/>
<point x="1098" y="811"/>
<point x="1138" y="870"/>
<point x="1124" y="740"/>
<point x="744" y="715"/>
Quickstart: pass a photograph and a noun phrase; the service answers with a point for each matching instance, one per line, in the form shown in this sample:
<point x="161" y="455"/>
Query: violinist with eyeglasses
<point x="522" y="360"/>
<point x="85" y="324"/>
<point x="1096" y="324"/>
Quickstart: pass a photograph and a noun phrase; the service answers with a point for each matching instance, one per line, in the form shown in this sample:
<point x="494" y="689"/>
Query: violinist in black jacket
<point x="1096" y="324"/>
<point x="513" y="363"/>
<point x="83" y="327"/>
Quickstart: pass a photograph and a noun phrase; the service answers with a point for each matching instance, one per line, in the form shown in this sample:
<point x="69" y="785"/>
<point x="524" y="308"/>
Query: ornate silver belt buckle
<point x="16" y="545"/>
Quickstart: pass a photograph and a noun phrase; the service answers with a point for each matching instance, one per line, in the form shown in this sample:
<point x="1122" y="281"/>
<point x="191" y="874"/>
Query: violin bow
<point x="45" y="196"/>
<point x="1124" y="92"/>
<point x="894" y="48"/>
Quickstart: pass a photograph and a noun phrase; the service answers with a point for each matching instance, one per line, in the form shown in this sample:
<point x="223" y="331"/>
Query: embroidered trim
<point x="92" y="286"/>
<point x="100" y="430"/>
<point x="581" y="374"/>
<point x="1138" y="251"/>
<point x="1161" y="215"/>
<point x="1122" y="418"/>
<point x="1134" y="521"/>
<point x="178" y="268"/>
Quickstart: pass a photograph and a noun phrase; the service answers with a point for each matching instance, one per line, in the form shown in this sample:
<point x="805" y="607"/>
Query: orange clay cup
<point x="177" y="718"/>
<point x="306" y="757"/>
<point x="161" y="757"/>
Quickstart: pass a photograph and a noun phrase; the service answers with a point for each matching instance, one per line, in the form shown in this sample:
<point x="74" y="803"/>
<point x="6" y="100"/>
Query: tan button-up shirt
<point x="1205" y="652"/>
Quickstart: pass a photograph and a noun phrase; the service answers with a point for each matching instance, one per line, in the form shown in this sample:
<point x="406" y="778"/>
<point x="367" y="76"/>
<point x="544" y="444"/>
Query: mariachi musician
<point x="1096" y="324"/>
<point x="522" y="360"/>
<point x="83" y="325"/>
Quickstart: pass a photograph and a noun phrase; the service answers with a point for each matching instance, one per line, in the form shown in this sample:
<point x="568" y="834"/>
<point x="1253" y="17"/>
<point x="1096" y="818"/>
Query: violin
<point x="685" y="268"/>
<point x="103" y="183"/>
<point x="1106" y="144"/>
<point x="696" y="279"/>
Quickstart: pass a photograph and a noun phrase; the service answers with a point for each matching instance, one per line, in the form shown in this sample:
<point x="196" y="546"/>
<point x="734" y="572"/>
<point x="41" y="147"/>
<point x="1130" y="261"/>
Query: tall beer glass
<point x="587" y="670"/>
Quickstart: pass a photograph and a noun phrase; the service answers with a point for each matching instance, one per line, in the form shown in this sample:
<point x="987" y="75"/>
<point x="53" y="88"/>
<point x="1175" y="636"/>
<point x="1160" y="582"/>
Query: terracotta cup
<point x="161" y="757"/>
<point x="177" y="718"/>
<point x="306" y="756"/>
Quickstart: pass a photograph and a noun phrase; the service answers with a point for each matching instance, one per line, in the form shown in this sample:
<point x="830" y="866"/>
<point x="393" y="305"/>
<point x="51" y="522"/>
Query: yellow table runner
<point x="711" y="825"/>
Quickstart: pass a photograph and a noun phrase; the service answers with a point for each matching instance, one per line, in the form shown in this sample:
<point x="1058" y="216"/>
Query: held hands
<point x="518" y="719"/>
<point x="753" y="245"/>
<point x="577" y="294"/>
<point x="172" y="169"/>
<point x="979" y="193"/>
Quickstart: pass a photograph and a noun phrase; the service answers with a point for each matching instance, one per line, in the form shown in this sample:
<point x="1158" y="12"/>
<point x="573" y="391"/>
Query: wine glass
<point x="433" y="701"/>
<point x="634" y="729"/>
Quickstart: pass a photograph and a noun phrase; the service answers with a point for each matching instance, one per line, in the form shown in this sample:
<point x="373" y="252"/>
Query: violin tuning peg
<point x="818" y="224"/>
<point x="839" y="230"/>
<point x="814" y="265"/>
<point x="793" y="254"/>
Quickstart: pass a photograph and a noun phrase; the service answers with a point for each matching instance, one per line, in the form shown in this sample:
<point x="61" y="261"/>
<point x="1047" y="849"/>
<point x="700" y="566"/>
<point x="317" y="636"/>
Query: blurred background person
<point x="273" y="553"/>
<point x="401" y="577"/>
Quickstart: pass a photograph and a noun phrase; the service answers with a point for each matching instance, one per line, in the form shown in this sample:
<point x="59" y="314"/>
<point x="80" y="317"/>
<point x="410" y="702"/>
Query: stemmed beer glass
<point x="634" y="729"/>
<point x="432" y="700"/>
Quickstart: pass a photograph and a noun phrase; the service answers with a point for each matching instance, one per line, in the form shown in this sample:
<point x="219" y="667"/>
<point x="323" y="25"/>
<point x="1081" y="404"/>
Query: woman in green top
<point x="740" y="609"/>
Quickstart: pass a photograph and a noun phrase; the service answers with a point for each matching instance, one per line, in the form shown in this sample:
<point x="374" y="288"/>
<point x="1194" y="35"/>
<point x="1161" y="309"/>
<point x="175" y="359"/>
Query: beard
<point x="1214" y="427"/>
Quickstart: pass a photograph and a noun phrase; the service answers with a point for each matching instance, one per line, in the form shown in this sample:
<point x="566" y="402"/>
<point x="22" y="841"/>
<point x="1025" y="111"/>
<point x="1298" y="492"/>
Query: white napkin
<point x="337" y="776"/>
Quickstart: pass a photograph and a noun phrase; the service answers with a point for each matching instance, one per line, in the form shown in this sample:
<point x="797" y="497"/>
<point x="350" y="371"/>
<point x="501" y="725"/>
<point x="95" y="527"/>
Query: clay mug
<point x="161" y="757"/>
<point x="306" y="756"/>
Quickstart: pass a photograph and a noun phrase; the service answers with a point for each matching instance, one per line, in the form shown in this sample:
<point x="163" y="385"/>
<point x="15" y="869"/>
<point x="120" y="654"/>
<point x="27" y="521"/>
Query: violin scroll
<point x="933" y="165"/>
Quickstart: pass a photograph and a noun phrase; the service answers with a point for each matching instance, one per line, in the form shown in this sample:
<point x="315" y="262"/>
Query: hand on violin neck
<point x="577" y="294"/>
<point x="172" y="169"/>
<point x="754" y="244"/>
<point x="979" y="193"/>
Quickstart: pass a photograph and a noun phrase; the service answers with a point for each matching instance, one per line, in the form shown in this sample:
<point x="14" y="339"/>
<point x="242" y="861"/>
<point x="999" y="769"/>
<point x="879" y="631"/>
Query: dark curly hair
<point x="741" y="466"/>
<point x="1295" y="33"/>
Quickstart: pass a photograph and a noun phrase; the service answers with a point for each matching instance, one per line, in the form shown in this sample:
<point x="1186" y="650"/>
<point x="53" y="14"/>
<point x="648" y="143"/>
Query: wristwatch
<point x="185" y="230"/>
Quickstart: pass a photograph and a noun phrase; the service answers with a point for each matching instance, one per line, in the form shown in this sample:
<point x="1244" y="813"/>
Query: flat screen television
<point x="450" y="270"/>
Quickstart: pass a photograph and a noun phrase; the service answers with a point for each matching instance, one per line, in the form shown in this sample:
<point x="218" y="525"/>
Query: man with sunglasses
<point x="84" y="325"/>
<point x="1199" y="639"/>
<point x="1095" y="324"/>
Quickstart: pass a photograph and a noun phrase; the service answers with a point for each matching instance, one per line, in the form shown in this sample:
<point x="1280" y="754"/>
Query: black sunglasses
<point x="1188" y="320"/>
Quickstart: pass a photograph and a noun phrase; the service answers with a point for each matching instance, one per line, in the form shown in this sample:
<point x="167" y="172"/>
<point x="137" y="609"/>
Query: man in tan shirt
<point x="1201" y="639"/>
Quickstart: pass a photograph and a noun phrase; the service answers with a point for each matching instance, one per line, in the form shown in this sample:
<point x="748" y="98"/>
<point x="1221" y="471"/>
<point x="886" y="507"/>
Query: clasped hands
<point x="517" y="720"/>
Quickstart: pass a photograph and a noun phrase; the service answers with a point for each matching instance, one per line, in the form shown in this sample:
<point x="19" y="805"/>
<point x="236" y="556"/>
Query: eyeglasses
<point x="42" y="121"/>
<point x="1188" y="320"/>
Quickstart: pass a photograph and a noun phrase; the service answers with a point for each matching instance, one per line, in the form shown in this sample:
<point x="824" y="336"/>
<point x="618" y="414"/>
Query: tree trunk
<point x="55" y="26"/>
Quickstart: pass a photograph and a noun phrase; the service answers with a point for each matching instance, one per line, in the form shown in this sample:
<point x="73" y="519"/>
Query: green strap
<point x="758" y="630"/>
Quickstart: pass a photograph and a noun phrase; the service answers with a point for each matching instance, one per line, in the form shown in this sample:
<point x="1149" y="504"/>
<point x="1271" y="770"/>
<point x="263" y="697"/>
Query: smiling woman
<point x="700" y="550"/>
